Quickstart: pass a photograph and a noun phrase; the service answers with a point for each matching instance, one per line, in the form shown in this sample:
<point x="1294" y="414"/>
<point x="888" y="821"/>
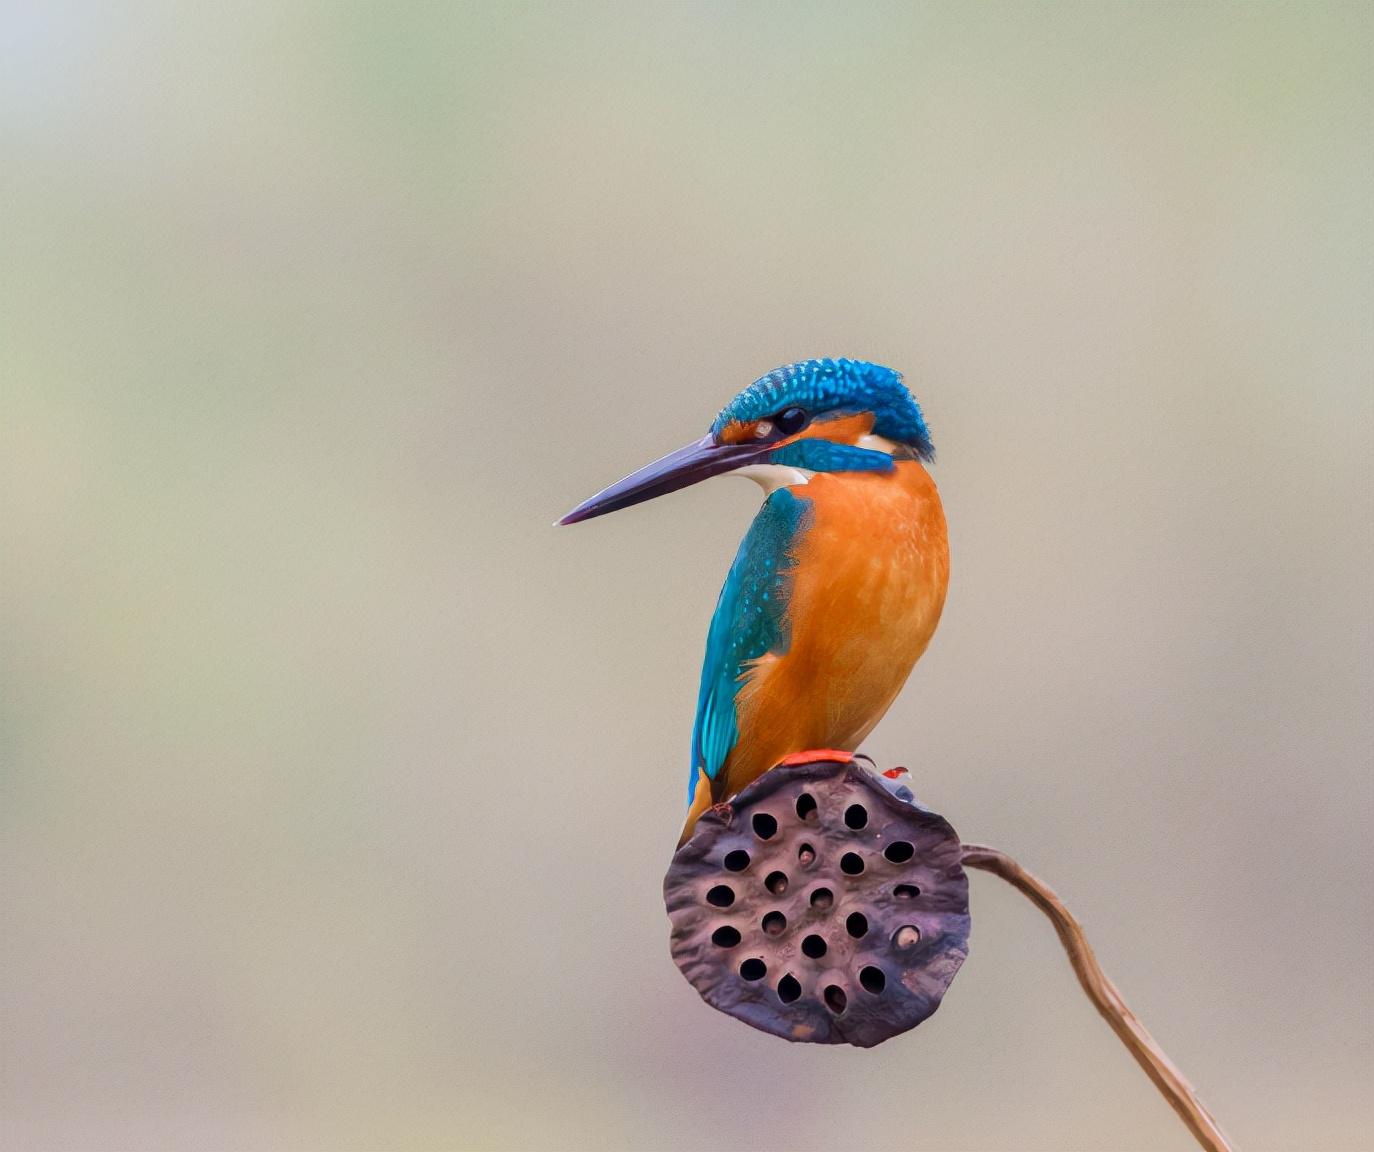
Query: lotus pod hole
<point x="852" y="864"/>
<point x="872" y="979"/>
<point x="907" y="936"/>
<point x="855" y="949"/>
<point x="725" y="936"/>
<point x="722" y="896"/>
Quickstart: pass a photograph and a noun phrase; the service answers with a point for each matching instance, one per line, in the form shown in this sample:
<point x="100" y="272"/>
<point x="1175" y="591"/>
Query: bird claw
<point x="818" y="756"/>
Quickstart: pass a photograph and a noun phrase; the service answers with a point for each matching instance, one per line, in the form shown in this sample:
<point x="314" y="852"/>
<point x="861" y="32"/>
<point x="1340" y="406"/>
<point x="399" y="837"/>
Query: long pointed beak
<point x="676" y="470"/>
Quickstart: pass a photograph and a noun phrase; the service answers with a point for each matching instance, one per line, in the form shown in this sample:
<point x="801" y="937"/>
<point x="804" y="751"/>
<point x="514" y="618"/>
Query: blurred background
<point x="338" y="785"/>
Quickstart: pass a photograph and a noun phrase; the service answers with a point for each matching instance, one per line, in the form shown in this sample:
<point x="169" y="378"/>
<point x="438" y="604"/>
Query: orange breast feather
<point x="869" y="586"/>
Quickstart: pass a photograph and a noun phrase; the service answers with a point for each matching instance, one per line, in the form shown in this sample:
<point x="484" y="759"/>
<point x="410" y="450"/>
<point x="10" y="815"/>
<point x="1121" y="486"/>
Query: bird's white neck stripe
<point x="878" y="444"/>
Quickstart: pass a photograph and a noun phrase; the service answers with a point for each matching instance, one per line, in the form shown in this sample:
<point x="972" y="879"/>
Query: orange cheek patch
<point x="838" y="429"/>
<point x="848" y="429"/>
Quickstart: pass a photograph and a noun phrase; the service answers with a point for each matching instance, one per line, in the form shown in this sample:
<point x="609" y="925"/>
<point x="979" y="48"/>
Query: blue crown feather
<point x="836" y="387"/>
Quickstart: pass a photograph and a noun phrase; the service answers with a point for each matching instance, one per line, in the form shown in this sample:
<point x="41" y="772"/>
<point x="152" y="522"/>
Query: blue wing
<point x="750" y="621"/>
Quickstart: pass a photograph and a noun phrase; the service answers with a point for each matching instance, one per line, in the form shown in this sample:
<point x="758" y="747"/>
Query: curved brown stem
<point x="1104" y="995"/>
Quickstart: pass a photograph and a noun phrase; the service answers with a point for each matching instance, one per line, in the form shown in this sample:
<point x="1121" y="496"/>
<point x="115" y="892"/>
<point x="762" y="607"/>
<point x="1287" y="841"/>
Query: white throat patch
<point x="771" y="477"/>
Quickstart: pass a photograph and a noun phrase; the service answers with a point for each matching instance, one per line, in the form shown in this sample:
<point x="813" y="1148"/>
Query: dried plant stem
<point x="1104" y="995"/>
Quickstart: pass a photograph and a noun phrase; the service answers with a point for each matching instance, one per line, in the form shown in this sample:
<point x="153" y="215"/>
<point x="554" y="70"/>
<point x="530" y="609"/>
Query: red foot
<point x="895" y="773"/>
<point x="817" y="756"/>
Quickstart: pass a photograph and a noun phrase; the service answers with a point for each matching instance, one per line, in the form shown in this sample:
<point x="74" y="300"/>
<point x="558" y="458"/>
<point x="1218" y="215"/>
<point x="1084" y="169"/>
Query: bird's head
<point x="809" y="417"/>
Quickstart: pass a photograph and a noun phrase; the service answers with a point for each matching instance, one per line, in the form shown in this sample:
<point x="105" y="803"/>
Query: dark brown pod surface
<point x="819" y="907"/>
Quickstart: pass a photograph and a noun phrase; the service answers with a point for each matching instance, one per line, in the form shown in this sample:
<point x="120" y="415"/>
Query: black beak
<point x="677" y="470"/>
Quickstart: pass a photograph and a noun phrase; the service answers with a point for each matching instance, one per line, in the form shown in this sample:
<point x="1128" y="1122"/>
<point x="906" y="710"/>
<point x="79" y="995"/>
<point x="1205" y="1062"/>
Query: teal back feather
<point x="750" y="621"/>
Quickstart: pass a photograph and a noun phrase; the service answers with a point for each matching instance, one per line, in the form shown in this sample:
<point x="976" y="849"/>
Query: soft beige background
<point x="338" y="785"/>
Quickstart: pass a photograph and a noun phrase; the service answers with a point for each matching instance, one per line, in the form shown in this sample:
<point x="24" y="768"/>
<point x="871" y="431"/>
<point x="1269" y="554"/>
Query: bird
<point x="839" y="582"/>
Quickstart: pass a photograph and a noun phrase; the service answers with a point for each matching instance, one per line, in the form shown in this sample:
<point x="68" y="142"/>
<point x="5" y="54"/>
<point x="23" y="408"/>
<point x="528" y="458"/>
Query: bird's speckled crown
<point x="836" y="387"/>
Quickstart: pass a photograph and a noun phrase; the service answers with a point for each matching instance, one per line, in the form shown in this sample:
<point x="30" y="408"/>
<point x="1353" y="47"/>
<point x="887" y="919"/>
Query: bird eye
<point x="791" y="420"/>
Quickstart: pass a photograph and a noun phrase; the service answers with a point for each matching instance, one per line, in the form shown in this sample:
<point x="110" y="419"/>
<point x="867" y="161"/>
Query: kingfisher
<point x="839" y="583"/>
